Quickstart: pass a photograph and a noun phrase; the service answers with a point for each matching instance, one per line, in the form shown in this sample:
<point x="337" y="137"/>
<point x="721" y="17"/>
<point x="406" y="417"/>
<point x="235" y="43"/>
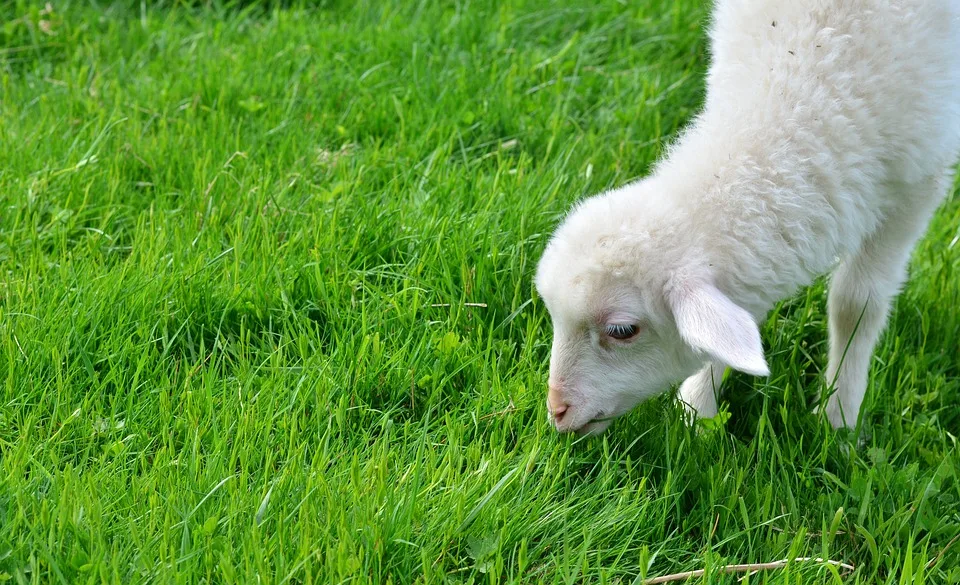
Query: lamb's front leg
<point x="699" y="392"/>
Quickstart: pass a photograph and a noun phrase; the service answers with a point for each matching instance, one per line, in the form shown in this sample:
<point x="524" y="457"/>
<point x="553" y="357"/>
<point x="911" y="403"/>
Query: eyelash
<point x="621" y="332"/>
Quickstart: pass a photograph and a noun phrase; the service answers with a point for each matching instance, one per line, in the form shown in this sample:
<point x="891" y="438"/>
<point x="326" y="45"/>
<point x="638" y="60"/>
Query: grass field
<point x="266" y="313"/>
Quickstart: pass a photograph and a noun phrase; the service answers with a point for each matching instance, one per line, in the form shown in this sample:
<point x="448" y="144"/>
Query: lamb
<point x="828" y="138"/>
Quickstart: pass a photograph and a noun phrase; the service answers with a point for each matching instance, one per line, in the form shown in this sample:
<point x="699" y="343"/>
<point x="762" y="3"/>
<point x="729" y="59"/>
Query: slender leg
<point x="861" y="292"/>
<point x="698" y="393"/>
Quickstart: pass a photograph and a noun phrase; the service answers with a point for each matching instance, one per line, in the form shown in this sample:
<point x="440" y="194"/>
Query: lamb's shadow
<point x="209" y="321"/>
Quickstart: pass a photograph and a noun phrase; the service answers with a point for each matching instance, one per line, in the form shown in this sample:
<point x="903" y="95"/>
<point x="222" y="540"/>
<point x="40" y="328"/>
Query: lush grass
<point x="223" y="232"/>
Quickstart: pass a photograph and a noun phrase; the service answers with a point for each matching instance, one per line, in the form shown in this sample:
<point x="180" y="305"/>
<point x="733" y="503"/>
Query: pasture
<point x="266" y="313"/>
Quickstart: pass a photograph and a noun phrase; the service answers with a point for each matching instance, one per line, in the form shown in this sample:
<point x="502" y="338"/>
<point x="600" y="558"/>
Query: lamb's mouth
<point x="593" y="428"/>
<point x="595" y="425"/>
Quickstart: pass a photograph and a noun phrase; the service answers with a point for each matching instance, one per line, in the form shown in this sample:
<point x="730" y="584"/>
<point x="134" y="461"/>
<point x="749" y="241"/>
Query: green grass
<point x="223" y="234"/>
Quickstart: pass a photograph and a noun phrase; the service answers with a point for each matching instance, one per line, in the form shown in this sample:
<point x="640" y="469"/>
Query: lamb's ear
<point x="712" y="323"/>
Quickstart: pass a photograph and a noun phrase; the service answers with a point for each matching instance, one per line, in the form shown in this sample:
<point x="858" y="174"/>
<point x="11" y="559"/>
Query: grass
<point x="237" y="247"/>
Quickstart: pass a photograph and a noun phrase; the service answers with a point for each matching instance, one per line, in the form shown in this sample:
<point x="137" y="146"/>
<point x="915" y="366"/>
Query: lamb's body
<point x="822" y="118"/>
<point x="829" y="135"/>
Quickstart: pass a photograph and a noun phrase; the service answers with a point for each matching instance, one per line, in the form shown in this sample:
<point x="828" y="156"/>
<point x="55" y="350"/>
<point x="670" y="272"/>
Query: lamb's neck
<point x="731" y="225"/>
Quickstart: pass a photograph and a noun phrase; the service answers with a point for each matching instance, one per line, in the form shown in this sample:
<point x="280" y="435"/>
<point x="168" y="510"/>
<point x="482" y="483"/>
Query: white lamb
<point x="829" y="137"/>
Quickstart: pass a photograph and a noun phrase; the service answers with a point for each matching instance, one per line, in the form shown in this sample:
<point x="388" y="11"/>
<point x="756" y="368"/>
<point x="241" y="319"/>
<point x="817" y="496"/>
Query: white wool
<point x="829" y="133"/>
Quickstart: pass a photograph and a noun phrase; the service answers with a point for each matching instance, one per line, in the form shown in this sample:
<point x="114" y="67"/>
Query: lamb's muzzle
<point x="555" y="403"/>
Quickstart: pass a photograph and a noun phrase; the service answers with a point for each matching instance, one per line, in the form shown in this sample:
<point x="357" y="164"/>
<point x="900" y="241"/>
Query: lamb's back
<point x="869" y="86"/>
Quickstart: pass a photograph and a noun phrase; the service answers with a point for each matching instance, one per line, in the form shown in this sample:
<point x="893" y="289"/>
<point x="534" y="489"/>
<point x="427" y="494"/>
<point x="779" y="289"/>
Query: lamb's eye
<point x="622" y="332"/>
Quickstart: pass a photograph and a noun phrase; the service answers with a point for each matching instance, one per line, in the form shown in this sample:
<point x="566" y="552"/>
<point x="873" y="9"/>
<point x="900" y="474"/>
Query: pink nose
<point x="555" y="404"/>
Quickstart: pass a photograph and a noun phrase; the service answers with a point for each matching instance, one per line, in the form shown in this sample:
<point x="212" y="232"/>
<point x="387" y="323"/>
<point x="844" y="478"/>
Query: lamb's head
<point x="631" y="315"/>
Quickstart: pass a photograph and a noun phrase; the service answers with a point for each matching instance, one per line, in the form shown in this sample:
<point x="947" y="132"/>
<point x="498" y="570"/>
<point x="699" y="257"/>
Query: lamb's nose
<point x="555" y="404"/>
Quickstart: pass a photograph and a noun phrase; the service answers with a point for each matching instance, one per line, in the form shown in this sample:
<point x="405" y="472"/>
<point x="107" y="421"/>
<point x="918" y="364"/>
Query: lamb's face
<point x="610" y="352"/>
<point x="614" y="344"/>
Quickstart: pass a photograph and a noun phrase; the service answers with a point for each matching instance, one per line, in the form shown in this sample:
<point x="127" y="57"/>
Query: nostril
<point x="559" y="410"/>
<point x="555" y="404"/>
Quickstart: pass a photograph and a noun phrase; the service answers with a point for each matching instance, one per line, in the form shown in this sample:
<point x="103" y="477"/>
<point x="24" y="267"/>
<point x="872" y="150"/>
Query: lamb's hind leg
<point x="861" y="292"/>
